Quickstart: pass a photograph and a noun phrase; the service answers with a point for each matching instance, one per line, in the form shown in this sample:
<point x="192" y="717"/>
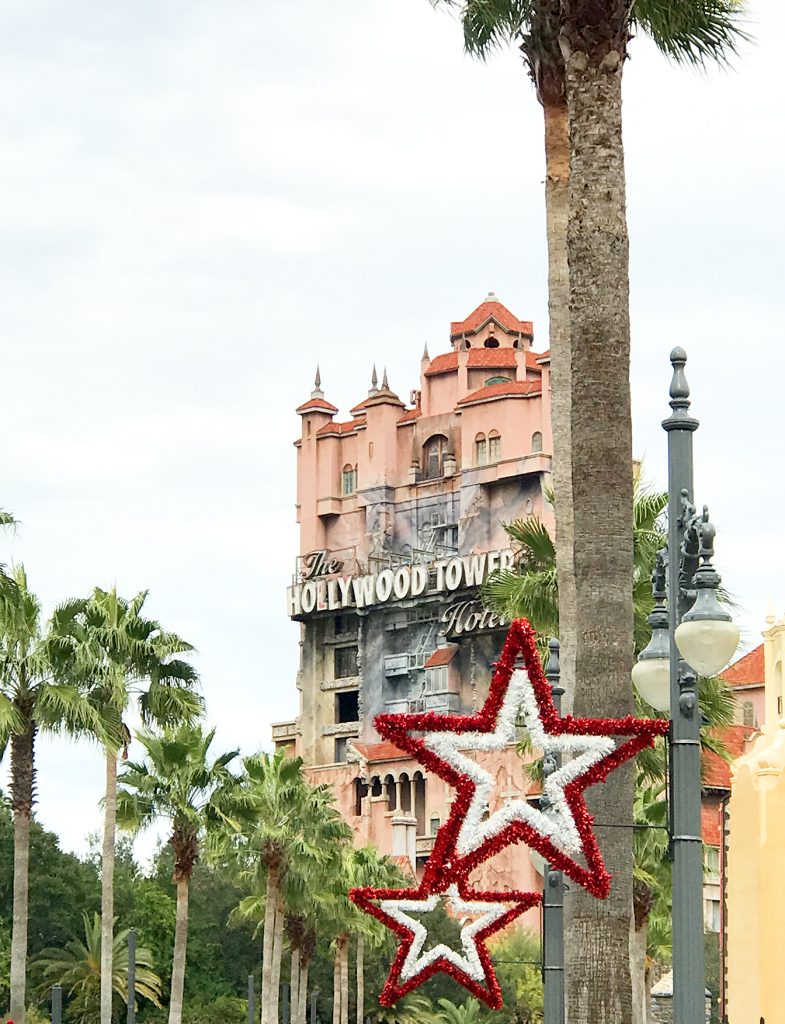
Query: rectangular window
<point x="341" y="745"/>
<point x="345" y="662"/>
<point x="480" y="453"/>
<point x="494" y="449"/>
<point x="711" y="860"/>
<point x="348" y="481"/>
<point x="347" y="707"/>
<point x="435" y="825"/>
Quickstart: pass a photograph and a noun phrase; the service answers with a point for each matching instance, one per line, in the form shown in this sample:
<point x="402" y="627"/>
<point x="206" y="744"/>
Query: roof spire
<point x="317" y="385"/>
<point x="425" y="352"/>
<point x="374" y="381"/>
<point x="385" y="385"/>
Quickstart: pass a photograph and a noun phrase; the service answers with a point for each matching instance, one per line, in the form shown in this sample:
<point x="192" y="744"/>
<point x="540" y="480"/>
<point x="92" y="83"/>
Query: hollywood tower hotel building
<point x="401" y="510"/>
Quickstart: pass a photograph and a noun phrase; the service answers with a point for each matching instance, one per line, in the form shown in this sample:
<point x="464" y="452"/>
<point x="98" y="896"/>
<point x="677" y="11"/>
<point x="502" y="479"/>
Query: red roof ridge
<point x="441" y="656"/>
<point x="510" y="389"/>
<point x="316" y="403"/>
<point x="491" y="309"/>
<point x="384" y="751"/>
<point x="409" y="416"/>
<point x="341" y="428"/>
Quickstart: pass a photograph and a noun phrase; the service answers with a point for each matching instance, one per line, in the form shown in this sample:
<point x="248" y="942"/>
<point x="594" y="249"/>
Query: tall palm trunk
<point x="598" y="931"/>
<point x="22" y="787"/>
<point x="640" y="993"/>
<point x="275" y="973"/>
<point x="345" y="980"/>
<point x="294" y="986"/>
<point x="107" y="886"/>
<point x="178" y="960"/>
<point x="337" y="983"/>
<point x="557" y="206"/>
<point x="270" y="911"/>
<point x="360" y="979"/>
<point x="642" y="903"/>
<point x="302" y="1010"/>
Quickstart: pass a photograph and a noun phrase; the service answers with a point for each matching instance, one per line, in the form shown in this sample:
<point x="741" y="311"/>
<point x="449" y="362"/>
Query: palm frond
<point x="695" y="32"/>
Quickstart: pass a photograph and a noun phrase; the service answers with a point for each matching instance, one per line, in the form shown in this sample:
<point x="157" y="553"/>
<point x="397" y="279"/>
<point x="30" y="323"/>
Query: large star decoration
<point x="471" y="966"/>
<point x="564" y="828"/>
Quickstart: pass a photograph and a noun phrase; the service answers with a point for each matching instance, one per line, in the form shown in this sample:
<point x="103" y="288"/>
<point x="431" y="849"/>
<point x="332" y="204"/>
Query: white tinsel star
<point x="556" y="822"/>
<point x="469" y="961"/>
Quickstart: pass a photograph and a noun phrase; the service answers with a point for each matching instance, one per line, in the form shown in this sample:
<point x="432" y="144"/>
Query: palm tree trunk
<point x="337" y="984"/>
<point x="640" y="995"/>
<point x="107" y="886"/>
<point x="275" y="973"/>
<point x="598" y="933"/>
<point x="302" y="1010"/>
<point x="294" y="986"/>
<point x="267" y="942"/>
<point x="360" y="979"/>
<point x="22" y="785"/>
<point x="178" y="960"/>
<point x="345" y="980"/>
<point x="557" y="205"/>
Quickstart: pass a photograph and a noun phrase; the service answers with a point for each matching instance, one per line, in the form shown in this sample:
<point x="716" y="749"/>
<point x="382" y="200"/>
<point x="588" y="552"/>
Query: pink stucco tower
<point x="401" y="510"/>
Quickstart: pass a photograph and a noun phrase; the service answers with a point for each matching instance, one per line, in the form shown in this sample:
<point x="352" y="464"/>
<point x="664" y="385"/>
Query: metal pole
<point x="57" y="1004"/>
<point x="313" y="1007"/>
<point x="689" y="968"/>
<point x="250" y="999"/>
<point x="553" y="887"/>
<point x="131" y="1017"/>
<point x="285" y="1005"/>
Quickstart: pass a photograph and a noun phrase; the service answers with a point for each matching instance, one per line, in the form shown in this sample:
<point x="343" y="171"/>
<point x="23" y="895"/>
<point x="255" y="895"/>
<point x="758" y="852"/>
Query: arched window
<point x="536" y="441"/>
<point x="498" y="380"/>
<point x="494" y="446"/>
<point x="348" y="480"/>
<point x="491" y="343"/>
<point x="480" y="450"/>
<point x="748" y="712"/>
<point x="434" y="450"/>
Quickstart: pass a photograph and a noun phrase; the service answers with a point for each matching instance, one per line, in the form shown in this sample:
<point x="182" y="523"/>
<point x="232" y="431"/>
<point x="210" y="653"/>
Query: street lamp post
<point x="693" y="635"/>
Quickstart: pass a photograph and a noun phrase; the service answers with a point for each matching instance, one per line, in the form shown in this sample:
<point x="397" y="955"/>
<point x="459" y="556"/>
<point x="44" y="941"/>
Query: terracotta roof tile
<point x="410" y="416"/>
<point x="484" y="312"/>
<point x="316" y="403"/>
<point x="341" y="428"/>
<point x="716" y="770"/>
<point x="489" y="358"/>
<point x="512" y="389"/>
<point x="383" y="751"/>
<point x="748" y="670"/>
<point x="441" y="656"/>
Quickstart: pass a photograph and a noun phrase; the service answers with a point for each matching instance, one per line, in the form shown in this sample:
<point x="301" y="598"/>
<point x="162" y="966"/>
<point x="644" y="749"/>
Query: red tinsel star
<point x="447" y="862"/>
<point x="470" y="967"/>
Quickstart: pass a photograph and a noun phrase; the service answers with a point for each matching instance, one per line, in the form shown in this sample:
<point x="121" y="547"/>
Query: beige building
<point x="755" y="924"/>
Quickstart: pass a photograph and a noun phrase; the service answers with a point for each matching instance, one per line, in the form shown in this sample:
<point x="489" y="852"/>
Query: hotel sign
<point x="465" y="617"/>
<point x="317" y="593"/>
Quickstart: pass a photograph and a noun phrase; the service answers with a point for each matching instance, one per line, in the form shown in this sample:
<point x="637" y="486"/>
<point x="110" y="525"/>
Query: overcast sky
<point x="199" y="200"/>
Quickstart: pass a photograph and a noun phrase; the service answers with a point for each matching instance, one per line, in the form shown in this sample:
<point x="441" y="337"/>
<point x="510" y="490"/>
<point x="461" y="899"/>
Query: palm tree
<point x="532" y="590"/>
<point x="78" y="969"/>
<point x="33" y="698"/>
<point x="576" y="53"/>
<point x="179" y="782"/>
<point x="469" y="1012"/>
<point x="294" y="831"/>
<point x="122" y="657"/>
